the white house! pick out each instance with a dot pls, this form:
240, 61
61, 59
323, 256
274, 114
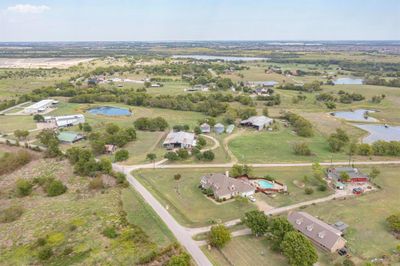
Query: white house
66, 120
258, 122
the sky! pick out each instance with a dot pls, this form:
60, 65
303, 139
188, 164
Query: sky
168, 20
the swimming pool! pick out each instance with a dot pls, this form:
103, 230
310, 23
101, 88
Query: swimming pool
264, 184
109, 111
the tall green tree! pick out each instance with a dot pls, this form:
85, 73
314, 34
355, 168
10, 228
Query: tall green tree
298, 249
257, 221
219, 236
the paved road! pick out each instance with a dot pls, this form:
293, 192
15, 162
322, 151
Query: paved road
183, 236
338, 194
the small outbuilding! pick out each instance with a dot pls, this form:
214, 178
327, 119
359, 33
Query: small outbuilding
229, 129
219, 128
69, 137
205, 128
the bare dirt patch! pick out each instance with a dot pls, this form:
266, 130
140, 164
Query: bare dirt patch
41, 62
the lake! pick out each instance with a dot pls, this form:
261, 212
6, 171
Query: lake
356, 115
380, 132
110, 111
348, 81
224, 58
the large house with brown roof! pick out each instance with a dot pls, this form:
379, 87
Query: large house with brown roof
320, 233
225, 187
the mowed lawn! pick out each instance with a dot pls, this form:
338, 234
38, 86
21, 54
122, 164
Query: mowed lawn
245, 250
173, 117
288, 176
184, 199
142, 215
367, 235
190, 207
277, 146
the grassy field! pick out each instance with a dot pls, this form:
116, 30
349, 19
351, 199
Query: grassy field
191, 208
74, 220
173, 117
367, 235
10, 123
142, 215
269, 147
245, 250
185, 200
367, 239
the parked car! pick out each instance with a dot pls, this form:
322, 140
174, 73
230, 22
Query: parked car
358, 190
342, 251
252, 199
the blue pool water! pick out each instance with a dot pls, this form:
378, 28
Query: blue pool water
110, 111
265, 184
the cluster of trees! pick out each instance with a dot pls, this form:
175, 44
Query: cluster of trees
337, 141
85, 163
49, 138
7, 104
183, 154
378, 148
239, 170
308, 87
10, 162
344, 97
302, 126
270, 100
383, 82
296, 247
151, 124
112, 134
378, 98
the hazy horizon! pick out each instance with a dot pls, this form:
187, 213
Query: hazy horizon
205, 20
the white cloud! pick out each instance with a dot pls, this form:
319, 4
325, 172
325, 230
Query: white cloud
28, 9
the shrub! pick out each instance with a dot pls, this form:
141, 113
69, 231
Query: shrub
96, 183
172, 156
309, 190
183, 154
45, 253
12, 161
24, 187
394, 222
55, 188
208, 156
110, 232
121, 155
219, 236
322, 187
67, 251
301, 148
120, 177
41, 241
179, 260
10, 214
177, 177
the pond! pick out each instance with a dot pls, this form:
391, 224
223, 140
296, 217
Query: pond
348, 81
109, 111
224, 58
380, 132
356, 115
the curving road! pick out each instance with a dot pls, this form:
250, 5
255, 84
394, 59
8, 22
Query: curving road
181, 234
